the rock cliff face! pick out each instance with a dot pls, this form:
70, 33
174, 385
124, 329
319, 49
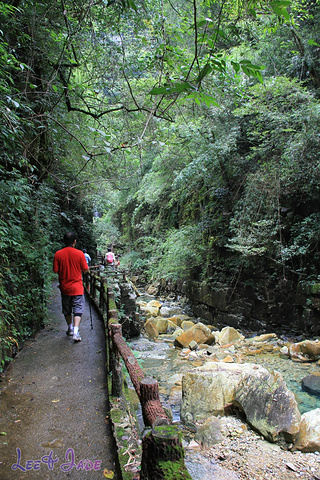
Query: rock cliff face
262, 307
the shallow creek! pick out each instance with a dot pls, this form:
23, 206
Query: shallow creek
161, 360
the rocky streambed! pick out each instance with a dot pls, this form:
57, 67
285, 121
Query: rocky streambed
223, 444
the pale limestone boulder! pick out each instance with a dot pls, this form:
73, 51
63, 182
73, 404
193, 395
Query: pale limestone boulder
150, 328
171, 327
177, 332
267, 337
176, 320
310, 348
306, 350
206, 391
150, 310
211, 340
170, 311
308, 438
198, 333
153, 290
269, 406
162, 325
229, 335
186, 324
193, 345
154, 303
141, 303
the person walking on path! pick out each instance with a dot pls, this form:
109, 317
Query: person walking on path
69, 263
110, 259
88, 258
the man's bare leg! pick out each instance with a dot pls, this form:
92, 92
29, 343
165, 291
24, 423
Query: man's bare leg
76, 324
69, 323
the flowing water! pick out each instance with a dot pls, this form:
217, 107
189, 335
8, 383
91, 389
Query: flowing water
161, 360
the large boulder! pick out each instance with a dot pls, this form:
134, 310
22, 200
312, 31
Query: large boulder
308, 350
150, 328
162, 325
308, 438
270, 407
228, 335
151, 309
198, 333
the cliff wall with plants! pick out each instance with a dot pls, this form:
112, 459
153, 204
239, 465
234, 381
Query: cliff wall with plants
186, 134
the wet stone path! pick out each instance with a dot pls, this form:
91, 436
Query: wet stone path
53, 405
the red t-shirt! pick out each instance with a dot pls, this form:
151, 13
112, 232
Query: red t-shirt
69, 263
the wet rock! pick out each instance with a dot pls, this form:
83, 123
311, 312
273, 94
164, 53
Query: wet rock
229, 335
172, 327
176, 320
311, 383
153, 290
151, 309
162, 324
206, 391
284, 351
178, 331
308, 439
193, 345
209, 433
150, 328
198, 333
170, 311
263, 338
270, 407
228, 359
186, 324
306, 350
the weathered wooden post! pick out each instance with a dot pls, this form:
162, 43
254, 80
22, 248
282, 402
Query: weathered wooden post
101, 291
116, 367
152, 410
163, 455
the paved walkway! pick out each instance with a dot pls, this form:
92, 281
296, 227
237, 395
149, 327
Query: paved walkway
53, 405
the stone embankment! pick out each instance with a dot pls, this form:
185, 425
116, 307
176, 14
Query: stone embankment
255, 304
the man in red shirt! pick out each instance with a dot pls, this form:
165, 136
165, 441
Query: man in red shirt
69, 263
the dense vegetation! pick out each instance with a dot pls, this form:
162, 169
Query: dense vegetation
185, 133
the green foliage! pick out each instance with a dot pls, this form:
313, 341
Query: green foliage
180, 254
91, 121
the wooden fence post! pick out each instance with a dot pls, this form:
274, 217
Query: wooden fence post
152, 411
116, 366
163, 455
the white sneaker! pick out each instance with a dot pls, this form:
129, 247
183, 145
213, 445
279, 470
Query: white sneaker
76, 337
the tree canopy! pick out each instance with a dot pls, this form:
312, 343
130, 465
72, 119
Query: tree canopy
185, 132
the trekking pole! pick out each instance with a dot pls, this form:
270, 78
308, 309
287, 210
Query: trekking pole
89, 290
90, 313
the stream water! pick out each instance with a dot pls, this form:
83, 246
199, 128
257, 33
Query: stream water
161, 360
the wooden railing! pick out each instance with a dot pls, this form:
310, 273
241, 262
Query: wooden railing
163, 443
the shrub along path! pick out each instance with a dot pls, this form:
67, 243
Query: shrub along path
53, 406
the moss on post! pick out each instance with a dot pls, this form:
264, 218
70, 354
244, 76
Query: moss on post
163, 455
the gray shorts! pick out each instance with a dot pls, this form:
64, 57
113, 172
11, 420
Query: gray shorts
72, 303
